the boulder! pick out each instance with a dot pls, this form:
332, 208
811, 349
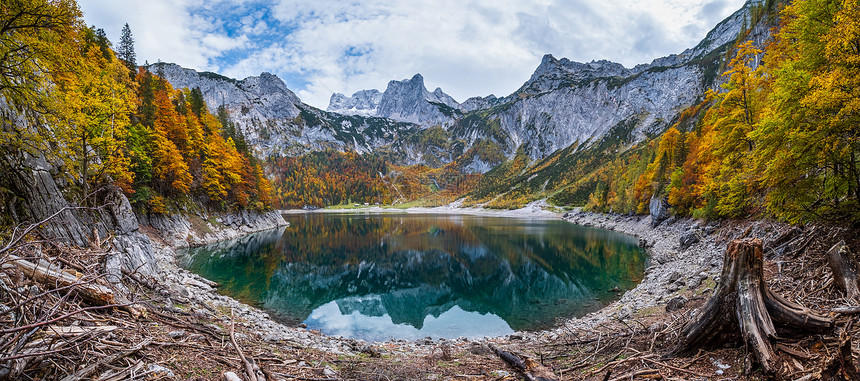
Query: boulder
688, 238
659, 210
676, 303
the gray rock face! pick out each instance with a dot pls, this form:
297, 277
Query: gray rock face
553, 73
263, 107
659, 209
409, 101
272, 118
479, 103
567, 103
39, 195
275, 121
195, 230
563, 104
724, 32
404, 101
364, 102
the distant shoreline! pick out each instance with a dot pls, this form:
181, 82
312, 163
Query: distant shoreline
537, 209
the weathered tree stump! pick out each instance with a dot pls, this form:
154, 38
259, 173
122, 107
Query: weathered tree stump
844, 269
743, 310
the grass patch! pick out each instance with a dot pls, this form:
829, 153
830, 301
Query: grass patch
199, 226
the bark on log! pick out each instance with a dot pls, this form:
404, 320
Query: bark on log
52, 276
844, 269
531, 369
744, 310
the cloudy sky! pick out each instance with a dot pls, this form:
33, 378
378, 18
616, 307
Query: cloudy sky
466, 47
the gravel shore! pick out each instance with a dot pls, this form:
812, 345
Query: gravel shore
671, 271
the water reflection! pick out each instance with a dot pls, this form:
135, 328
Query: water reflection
406, 276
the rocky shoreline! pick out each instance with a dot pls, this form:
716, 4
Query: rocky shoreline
180, 286
671, 272
198, 229
674, 271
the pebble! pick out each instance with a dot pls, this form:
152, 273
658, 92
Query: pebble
160, 371
673, 277
625, 313
329, 372
176, 334
676, 303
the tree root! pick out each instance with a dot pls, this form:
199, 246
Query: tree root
745, 311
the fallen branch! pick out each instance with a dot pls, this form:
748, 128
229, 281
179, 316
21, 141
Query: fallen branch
56, 319
532, 370
52, 276
303, 378
841, 365
249, 368
847, 310
89, 370
676, 368
635, 374
616, 362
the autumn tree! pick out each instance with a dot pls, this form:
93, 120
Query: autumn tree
809, 141
93, 102
730, 179
34, 36
181, 151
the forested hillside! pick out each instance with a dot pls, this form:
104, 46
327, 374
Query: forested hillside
69, 96
779, 138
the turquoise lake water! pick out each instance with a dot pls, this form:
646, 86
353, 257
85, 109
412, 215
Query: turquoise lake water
408, 276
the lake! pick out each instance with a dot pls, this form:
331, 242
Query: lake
407, 276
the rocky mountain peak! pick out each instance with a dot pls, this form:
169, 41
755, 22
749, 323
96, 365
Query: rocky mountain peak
553, 73
405, 101
479, 103
364, 102
268, 84
563, 103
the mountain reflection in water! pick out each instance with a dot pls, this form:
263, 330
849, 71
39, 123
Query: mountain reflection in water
381, 276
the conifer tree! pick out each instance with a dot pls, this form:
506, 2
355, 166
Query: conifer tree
126, 49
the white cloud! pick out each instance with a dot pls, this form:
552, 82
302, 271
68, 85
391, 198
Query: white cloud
467, 47
164, 30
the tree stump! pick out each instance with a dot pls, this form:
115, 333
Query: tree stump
844, 269
743, 310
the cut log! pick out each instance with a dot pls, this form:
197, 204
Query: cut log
52, 276
531, 369
91, 292
844, 269
745, 311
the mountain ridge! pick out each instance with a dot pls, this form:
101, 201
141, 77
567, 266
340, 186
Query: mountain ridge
563, 104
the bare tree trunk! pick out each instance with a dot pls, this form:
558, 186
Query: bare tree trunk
744, 310
844, 269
